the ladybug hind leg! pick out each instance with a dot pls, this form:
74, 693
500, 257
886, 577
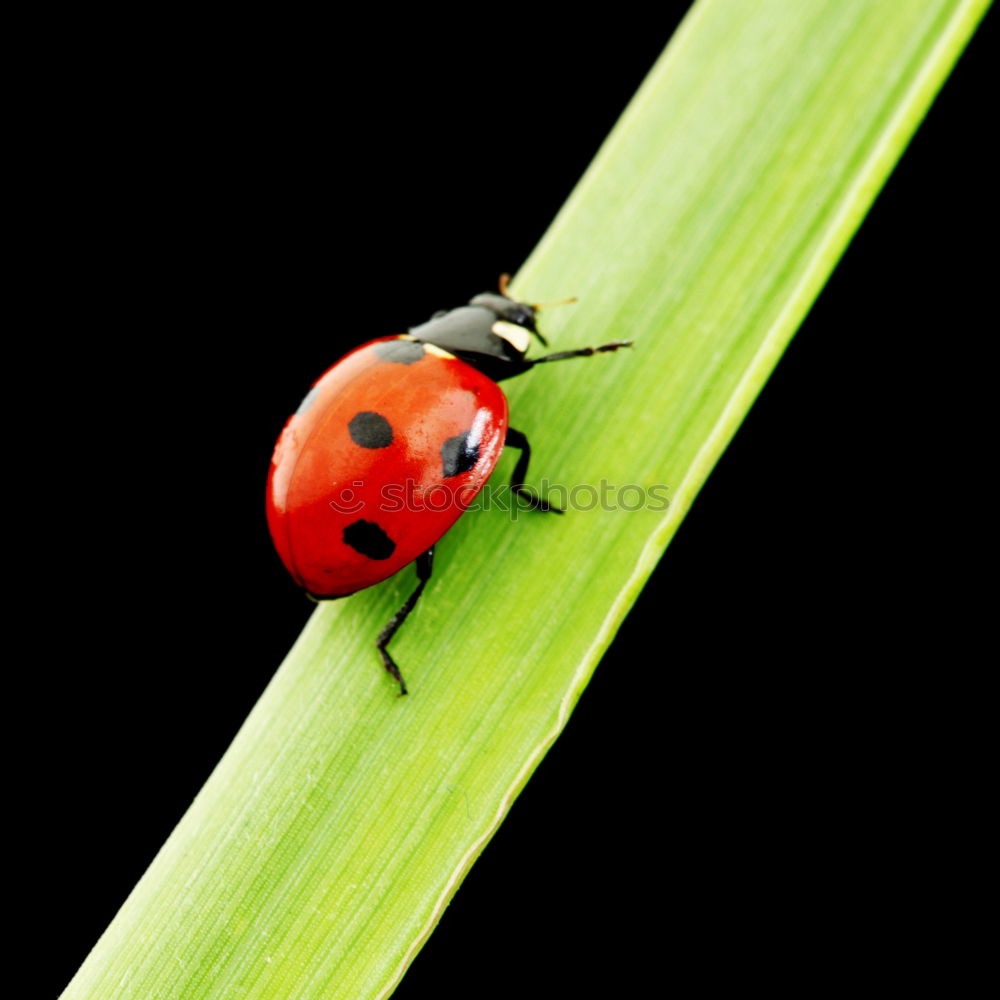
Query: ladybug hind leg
515, 439
425, 564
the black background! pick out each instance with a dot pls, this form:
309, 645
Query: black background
229, 210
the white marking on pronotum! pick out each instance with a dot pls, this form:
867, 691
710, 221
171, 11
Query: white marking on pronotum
515, 335
438, 352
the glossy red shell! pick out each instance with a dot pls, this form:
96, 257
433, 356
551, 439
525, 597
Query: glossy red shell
322, 483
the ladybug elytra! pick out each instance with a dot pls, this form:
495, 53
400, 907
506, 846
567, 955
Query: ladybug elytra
394, 442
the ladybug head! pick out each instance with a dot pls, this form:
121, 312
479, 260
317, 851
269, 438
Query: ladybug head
508, 310
492, 333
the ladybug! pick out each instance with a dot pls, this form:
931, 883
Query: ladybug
394, 442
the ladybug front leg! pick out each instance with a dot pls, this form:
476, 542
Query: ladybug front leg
425, 564
515, 439
580, 352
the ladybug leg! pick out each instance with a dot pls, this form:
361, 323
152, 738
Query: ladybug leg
425, 563
581, 352
515, 439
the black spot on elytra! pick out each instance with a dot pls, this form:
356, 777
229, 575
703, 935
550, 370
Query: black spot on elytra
369, 539
370, 430
459, 454
403, 351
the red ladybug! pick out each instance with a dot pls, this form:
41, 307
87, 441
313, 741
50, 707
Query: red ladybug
393, 443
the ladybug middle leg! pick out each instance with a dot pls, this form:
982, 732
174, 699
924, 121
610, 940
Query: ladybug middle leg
515, 439
425, 564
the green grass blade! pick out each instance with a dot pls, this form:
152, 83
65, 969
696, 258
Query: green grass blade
324, 847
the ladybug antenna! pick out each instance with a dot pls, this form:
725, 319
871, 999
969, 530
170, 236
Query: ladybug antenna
505, 284
561, 302
534, 307
544, 305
